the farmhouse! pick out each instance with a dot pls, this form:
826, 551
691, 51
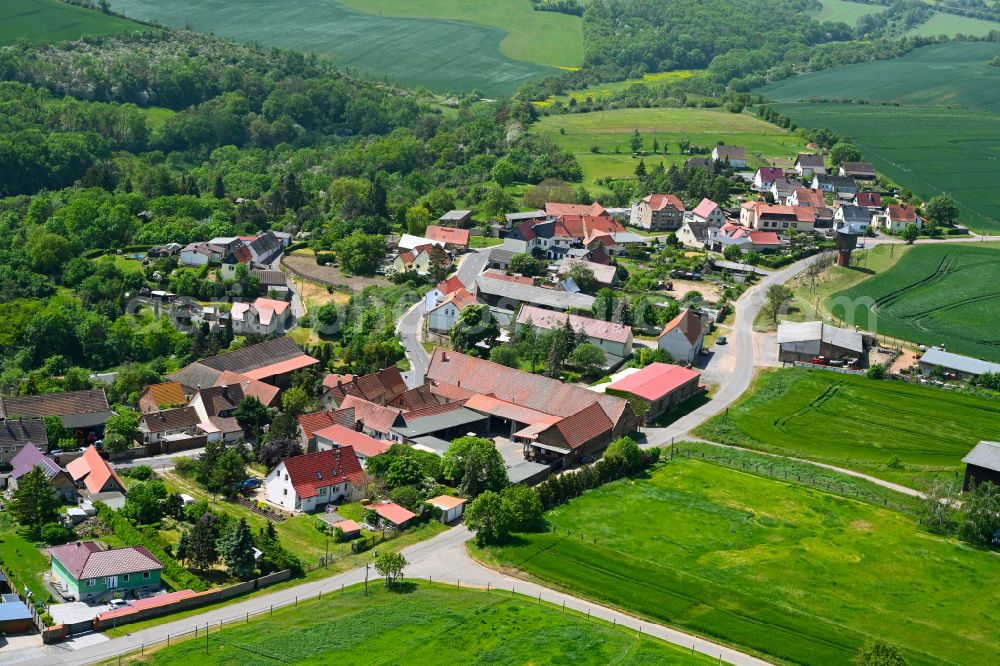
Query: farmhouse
734, 155
161, 396
658, 212
30, 457
807, 165
839, 185
338, 436
307, 482
683, 336
86, 572
453, 239
443, 316
93, 475
452, 508
380, 387
157, 426
982, 464
456, 218
805, 341
765, 177
858, 170
82, 412
18, 433
265, 316
509, 295
614, 339
962, 367
271, 362
662, 386
897, 217
214, 407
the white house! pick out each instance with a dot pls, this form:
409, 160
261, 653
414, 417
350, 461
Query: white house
807, 165
195, 254
307, 482
764, 177
736, 156
452, 508
444, 315
434, 296
264, 316
683, 336
897, 217
157, 426
710, 212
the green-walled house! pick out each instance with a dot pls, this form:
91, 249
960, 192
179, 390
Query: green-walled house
87, 572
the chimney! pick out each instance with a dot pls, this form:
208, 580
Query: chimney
444, 357
225, 391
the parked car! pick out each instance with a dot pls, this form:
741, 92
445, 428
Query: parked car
115, 604
721, 340
248, 484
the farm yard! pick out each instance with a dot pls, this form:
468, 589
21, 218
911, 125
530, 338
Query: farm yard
935, 294
900, 432
441, 55
418, 624
52, 20
794, 573
543, 38
610, 131
931, 150
844, 11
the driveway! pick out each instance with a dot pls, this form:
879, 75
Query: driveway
408, 328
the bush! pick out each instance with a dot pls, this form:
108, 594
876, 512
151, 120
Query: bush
187, 467
55, 534
47, 620
139, 472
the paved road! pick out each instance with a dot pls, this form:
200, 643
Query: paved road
161, 462
442, 559
470, 266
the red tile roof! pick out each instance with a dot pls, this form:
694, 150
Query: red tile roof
348, 526
449, 235
282, 367
94, 470
314, 421
376, 417
450, 285
806, 196
769, 174
85, 560
392, 512
901, 213
869, 199
500, 275
594, 328
578, 429
580, 226
559, 209
312, 471
655, 380
705, 208
658, 202
165, 394
266, 393
688, 323
490, 404
359, 441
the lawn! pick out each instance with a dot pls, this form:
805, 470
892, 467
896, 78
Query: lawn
53, 21
858, 423
797, 574
845, 12
952, 24
600, 91
23, 561
419, 625
942, 74
611, 131
931, 150
441, 55
936, 294
543, 38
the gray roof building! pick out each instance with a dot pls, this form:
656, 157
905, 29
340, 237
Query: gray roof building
510, 294
965, 365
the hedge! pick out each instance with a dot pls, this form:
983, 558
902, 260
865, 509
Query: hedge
179, 577
296, 246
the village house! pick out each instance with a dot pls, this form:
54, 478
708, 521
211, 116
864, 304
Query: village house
338, 436
783, 188
15, 434
274, 283
453, 238
268, 395
30, 457
852, 217
805, 196
93, 475
841, 186
764, 177
373, 419
982, 464
804, 341
312, 480
748, 240
444, 315
858, 170
870, 200
436, 295
897, 217
84, 571
157, 426
696, 234
411, 242
380, 387
734, 155
708, 212
215, 406
83, 413
555, 209
240, 256
683, 336
457, 218
164, 395
658, 212
264, 316
313, 422
772, 217
807, 165
614, 339
662, 386
271, 362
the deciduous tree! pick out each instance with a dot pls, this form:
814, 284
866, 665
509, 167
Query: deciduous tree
34, 503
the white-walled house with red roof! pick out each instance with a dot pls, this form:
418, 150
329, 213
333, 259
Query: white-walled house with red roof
683, 336
308, 482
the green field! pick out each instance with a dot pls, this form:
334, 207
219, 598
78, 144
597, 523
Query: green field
425, 624
544, 38
441, 55
951, 25
845, 12
931, 150
800, 575
53, 21
858, 423
938, 75
611, 131
935, 295
22, 560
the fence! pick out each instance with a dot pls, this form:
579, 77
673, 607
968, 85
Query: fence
313, 278
831, 368
266, 513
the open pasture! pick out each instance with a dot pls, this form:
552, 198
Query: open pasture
900, 432
54, 21
845, 12
797, 574
935, 295
443, 56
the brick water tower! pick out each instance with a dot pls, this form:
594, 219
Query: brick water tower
847, 239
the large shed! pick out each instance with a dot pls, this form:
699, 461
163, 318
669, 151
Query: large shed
804, 341
982, 464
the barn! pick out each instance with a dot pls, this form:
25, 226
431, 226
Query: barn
804, 341
982, 464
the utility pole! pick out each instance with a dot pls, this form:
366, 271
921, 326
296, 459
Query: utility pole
366, 577
326, 555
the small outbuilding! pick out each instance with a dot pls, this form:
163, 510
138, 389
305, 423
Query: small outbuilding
662, 386
393, 514
451, 507
982, 464
15, 616
962, 367
804, 341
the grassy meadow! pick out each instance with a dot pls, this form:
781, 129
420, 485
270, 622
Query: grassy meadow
931, 150
794, 573
611, 131
419, 624
905, 433
935, 294
543, 38
844, 11
951, 25
54, 21
441, 55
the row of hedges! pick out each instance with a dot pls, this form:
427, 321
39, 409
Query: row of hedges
179, 577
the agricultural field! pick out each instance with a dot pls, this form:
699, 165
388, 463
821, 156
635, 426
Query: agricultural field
418, 624
935, 295
794, 573
441, 55
54, 21
939, 75
951, 25
905, 433
543, 38
605, 90
931, 150
845, 12
610, 132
